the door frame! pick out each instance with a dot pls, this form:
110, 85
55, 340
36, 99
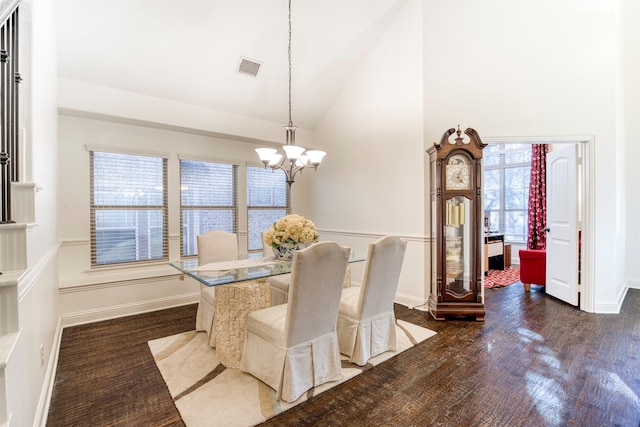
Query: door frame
586, 152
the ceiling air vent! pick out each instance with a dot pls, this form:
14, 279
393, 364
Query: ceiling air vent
249, 67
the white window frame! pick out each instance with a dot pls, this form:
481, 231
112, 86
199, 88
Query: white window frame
96, 207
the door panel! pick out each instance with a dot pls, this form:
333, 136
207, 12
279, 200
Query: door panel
562, 222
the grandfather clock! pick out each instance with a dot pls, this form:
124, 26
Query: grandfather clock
456, 226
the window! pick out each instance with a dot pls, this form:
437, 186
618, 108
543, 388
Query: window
208, 194
268, 198
128, 208
507, 169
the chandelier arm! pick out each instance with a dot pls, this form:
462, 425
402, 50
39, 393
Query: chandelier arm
289, 173
280, 164
293, 170
276, 167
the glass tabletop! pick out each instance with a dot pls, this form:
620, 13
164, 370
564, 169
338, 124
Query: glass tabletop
244, 268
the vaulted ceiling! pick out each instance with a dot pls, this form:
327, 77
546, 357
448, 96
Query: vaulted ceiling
189, 51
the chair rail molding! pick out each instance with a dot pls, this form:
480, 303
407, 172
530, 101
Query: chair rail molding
376, 235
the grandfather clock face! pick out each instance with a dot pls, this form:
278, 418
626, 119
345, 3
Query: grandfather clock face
458, 173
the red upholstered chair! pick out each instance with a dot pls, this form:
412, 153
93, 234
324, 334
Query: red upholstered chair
533, 267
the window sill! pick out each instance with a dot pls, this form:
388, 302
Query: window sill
114, 274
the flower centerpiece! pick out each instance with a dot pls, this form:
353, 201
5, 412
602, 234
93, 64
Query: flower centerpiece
290, 233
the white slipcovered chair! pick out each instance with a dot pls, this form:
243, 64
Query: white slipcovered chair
293, 347
213, 246
279, 286
366, 322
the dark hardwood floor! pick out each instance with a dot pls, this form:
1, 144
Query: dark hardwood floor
535, 361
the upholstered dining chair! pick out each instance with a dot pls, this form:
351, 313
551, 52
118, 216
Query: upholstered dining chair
293, 347
279, 285
366, 322
279, 288
213, 246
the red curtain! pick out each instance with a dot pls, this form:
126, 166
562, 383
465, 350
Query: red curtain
537, 238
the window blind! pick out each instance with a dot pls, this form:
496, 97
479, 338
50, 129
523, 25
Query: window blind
208, 194
129, 207
268, 198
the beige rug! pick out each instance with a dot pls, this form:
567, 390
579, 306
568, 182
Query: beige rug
208, 394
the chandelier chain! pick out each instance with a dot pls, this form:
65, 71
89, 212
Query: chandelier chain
289, 54
295, 159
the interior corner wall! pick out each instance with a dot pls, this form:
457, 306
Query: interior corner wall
372, 181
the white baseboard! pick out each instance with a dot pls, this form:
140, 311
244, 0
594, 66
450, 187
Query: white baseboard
411, 302
138, 307
632, 284
612, 307
42, 411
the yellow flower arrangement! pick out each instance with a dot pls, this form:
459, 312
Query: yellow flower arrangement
291, 229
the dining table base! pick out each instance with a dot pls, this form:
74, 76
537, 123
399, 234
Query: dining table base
233, 303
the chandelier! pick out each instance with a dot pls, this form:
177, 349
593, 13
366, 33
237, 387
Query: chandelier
294, 158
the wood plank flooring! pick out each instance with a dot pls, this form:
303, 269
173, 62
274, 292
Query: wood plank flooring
535, 361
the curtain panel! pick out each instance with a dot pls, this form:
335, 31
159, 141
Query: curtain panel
537, 238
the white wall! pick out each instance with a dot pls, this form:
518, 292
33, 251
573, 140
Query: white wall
630, 36
373, 180
114, 104
27, 378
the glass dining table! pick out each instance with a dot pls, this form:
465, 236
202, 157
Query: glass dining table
244, 268
240, 286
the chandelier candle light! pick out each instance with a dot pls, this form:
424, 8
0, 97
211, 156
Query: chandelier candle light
296, 155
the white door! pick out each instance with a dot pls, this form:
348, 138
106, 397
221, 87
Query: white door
562, 224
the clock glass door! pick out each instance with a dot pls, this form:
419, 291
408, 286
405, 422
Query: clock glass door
458, 244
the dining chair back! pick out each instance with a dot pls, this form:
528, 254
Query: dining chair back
293, 347
366, 321
213, 246
217, 245
278, 285
315, 290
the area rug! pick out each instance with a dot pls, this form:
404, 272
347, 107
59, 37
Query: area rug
500, 278
208, 394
